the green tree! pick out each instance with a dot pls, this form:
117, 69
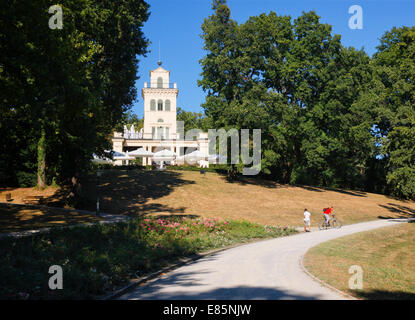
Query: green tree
129, 118
192, 120
298, 84
391, 99
67, 88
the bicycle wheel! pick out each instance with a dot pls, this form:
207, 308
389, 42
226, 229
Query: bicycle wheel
322, 225
336, 224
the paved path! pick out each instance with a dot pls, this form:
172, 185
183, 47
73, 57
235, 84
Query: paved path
268, 269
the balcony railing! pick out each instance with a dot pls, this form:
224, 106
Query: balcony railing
165, 85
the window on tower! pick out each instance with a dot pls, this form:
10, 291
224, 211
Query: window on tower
159, 82
160, 105
153, 105
167, 105
160, 133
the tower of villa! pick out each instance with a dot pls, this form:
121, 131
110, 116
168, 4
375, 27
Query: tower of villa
160, 101
160, 130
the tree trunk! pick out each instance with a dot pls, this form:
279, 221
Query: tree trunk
41, 161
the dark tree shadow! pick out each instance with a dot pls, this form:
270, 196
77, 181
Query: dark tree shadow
401, 211
59, 198
188, 279
385, 295
241, 292
355, 193
246, 180
122, 191
127, 192
235, 293
189, 216
19, 218
261, 181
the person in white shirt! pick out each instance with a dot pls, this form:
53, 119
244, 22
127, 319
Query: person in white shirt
307, 221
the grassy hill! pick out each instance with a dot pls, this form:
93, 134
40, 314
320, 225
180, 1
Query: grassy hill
139, 192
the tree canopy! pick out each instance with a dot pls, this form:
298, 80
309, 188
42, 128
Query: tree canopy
64, 90
322, 107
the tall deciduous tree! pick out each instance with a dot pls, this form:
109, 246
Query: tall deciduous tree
298, 84
68, 87
391, 98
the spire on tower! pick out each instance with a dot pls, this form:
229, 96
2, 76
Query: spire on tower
159, 62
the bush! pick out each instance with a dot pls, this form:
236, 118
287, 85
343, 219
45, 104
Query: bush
26, 179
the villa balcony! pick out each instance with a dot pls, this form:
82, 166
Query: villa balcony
155, 85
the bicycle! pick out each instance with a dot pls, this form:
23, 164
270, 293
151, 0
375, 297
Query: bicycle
332, 223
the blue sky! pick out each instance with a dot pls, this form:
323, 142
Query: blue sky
176, 25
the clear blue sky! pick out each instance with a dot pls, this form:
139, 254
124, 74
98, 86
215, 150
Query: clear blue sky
176, 25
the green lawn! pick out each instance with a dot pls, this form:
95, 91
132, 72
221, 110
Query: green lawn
98, 259
386, 255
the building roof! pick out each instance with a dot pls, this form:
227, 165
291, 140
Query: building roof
160, 69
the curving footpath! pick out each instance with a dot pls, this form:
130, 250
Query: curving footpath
269, 269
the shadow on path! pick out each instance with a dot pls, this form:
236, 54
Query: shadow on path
188, 285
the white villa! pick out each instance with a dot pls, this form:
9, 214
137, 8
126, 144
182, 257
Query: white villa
160, 129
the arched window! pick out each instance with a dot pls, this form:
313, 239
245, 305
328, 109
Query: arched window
167, 105
159, 82
160, 120
160, 105
159, 132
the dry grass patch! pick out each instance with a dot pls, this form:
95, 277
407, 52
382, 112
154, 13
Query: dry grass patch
140, 192
255, 200
386, 255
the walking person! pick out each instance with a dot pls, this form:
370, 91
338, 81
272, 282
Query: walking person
307, 221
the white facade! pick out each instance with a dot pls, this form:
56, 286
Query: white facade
160, 103
160, 124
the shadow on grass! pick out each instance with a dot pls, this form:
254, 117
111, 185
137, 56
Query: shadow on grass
126, 192
401, 211
385, 295
355, 193
260, 181
59, 198
178, 216
19, 218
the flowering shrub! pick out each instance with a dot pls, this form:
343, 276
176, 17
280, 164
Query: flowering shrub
182, 226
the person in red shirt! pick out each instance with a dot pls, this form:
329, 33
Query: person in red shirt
327, 213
